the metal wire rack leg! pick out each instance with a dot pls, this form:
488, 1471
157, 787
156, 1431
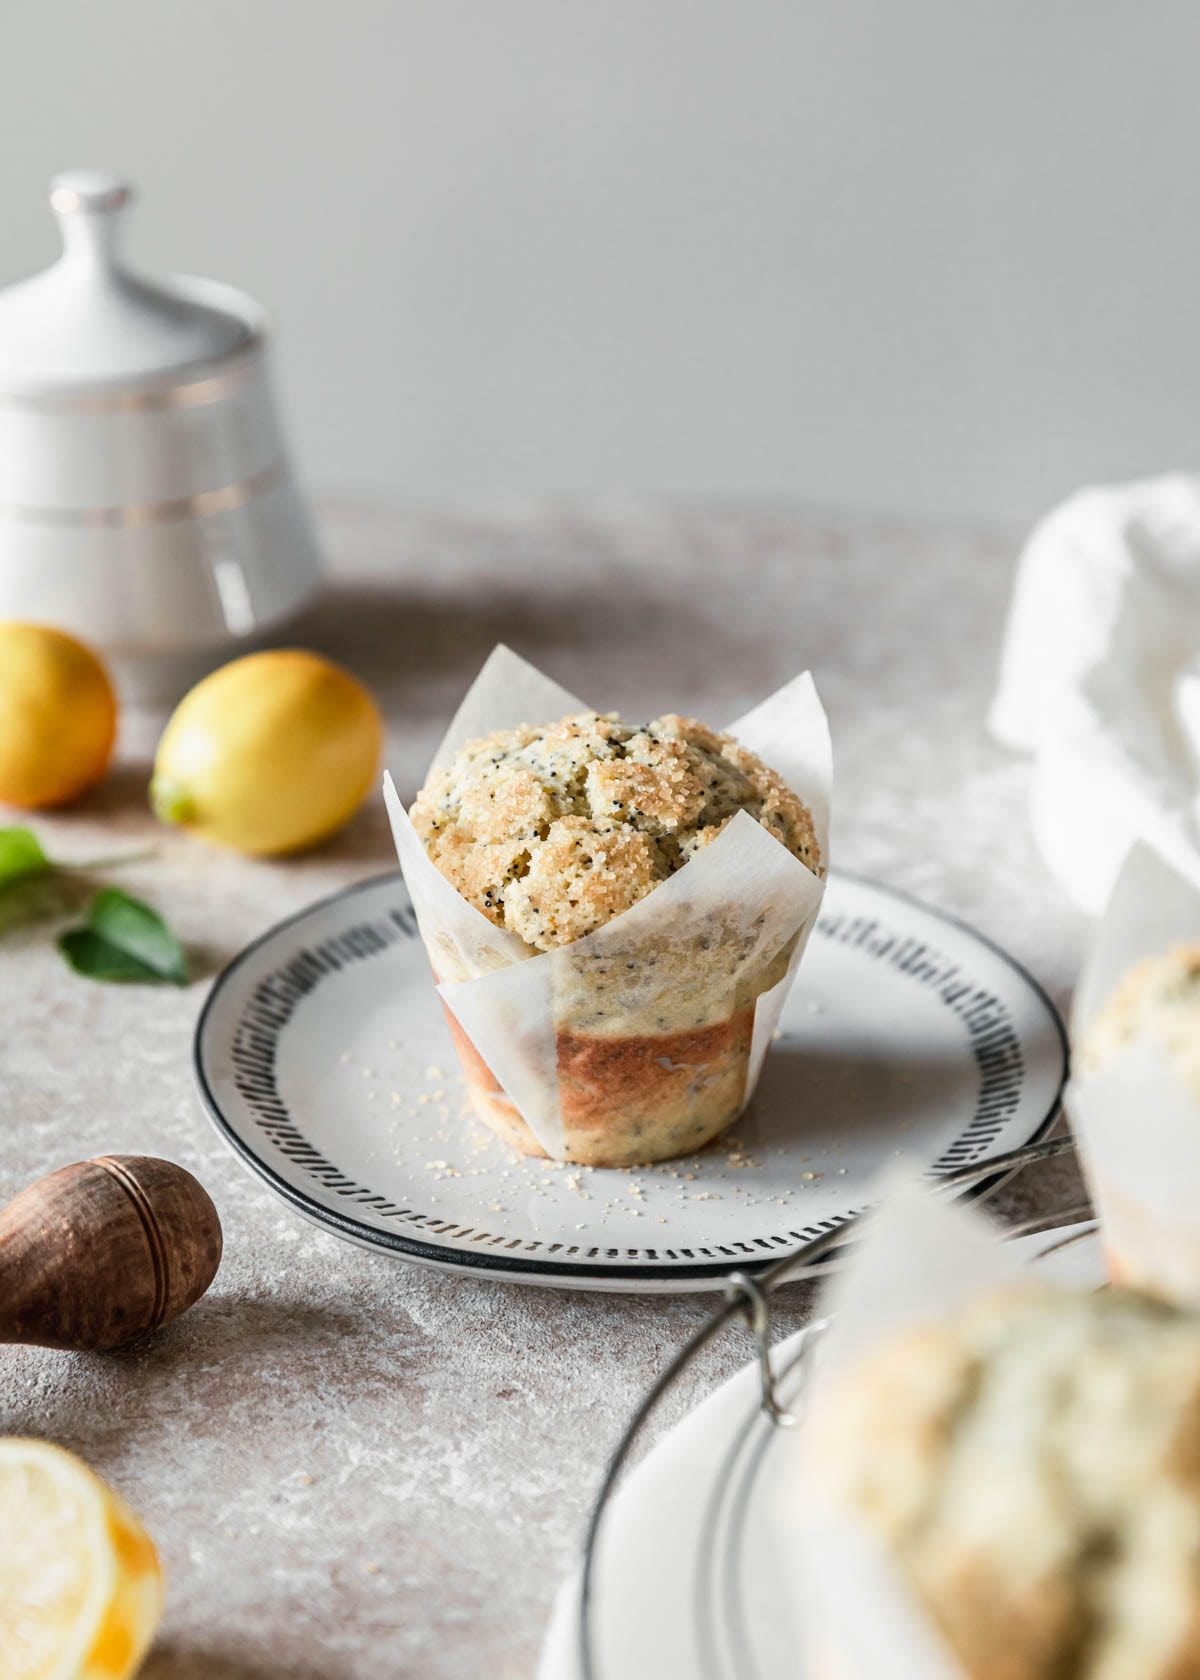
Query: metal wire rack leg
747, 1298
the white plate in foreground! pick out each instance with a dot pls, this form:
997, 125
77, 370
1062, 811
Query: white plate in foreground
323, 1057
693, 1577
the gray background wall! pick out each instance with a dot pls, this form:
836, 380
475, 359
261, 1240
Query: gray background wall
920, 254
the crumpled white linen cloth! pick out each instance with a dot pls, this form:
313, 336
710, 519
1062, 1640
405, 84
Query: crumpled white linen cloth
1100, 680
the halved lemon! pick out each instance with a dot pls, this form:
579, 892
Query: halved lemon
80, 1582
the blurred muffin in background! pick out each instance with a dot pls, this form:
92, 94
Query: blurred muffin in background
1157, 1000
1031, 1465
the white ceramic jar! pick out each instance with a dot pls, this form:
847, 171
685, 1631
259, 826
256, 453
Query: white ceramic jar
146, 502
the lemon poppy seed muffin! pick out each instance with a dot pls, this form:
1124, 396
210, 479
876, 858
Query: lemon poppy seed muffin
1146, 1191
553, 831
1157, 1000
1031, 1465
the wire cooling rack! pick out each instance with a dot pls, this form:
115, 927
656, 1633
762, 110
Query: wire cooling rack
748, 1299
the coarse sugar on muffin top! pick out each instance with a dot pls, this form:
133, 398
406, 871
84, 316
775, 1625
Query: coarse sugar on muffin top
552, 831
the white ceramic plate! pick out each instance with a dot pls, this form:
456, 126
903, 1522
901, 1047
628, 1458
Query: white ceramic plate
693, 1578
323, 1057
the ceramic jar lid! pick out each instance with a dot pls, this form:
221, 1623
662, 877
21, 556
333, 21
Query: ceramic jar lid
88, 321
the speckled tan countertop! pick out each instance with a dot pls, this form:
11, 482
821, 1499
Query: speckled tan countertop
354, 1468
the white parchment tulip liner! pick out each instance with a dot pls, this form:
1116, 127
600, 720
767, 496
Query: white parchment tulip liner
1136, 1121
505, 999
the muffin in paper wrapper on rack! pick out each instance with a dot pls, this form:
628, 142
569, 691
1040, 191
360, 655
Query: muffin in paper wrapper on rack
854, 1613
645, 1038
1134, 1097
995, 1476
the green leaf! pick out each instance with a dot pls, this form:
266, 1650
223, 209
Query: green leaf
88, 954
21, 855
123, 939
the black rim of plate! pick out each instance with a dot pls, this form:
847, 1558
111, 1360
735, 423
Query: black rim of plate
499, 1265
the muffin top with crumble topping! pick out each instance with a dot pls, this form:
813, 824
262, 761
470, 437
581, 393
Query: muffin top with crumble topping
553, 830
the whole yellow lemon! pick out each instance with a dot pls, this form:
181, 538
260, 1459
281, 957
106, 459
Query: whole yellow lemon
58, 716
269, 754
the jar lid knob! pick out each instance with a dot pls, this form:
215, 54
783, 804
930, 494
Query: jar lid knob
91, 319
87, 203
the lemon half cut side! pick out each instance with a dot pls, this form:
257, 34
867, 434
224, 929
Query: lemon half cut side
80, 1582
